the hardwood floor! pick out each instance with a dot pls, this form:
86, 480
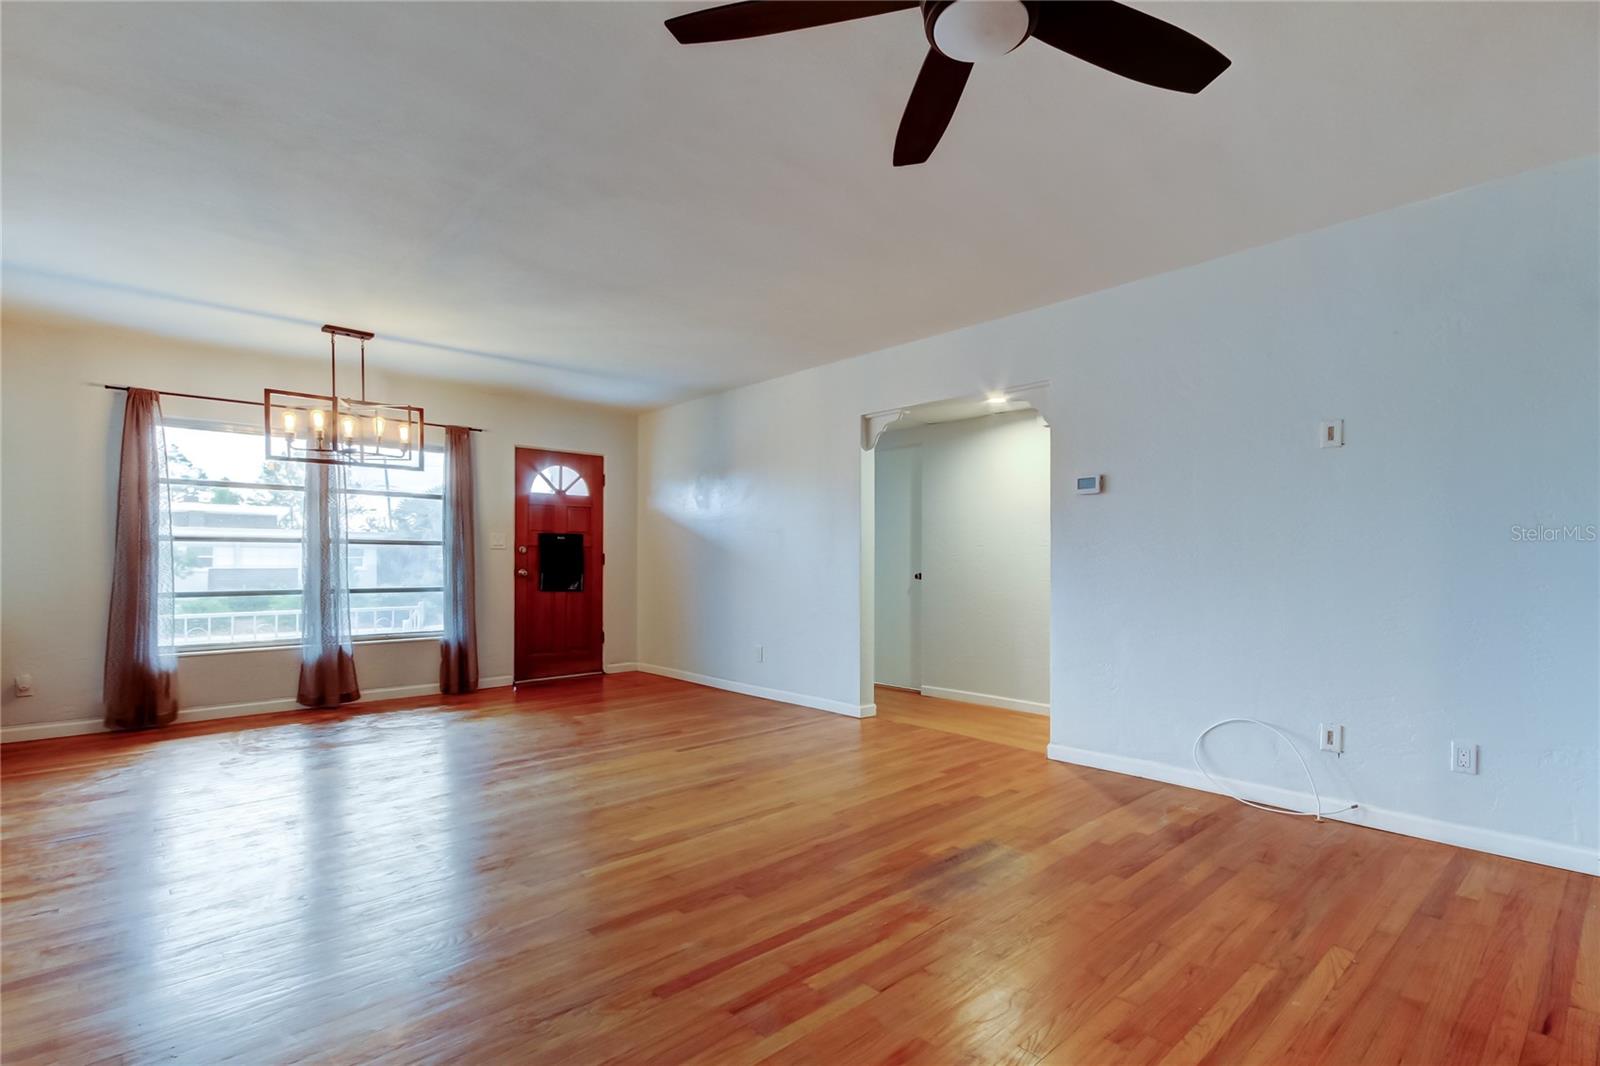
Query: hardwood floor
636, 870
1030, 732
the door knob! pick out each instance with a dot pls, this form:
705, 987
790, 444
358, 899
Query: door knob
917, 576
522, 573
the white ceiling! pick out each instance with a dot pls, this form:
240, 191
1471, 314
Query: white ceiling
558, 196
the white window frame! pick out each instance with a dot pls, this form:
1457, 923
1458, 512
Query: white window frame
200, 535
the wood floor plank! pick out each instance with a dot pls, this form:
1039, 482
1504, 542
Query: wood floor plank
1017, 729
630, 869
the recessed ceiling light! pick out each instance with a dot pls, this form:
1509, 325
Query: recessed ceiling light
998, 398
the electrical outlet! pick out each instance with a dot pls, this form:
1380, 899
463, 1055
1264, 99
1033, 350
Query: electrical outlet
23, 684
761, 653
1331, 738
1463, 757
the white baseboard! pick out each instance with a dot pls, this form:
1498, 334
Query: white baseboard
620, 668
12, 734
849, 710
15, 734
1005, 702
1493, 841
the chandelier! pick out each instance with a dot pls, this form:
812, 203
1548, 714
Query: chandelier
305, 427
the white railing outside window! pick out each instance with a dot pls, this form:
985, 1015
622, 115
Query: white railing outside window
283, 627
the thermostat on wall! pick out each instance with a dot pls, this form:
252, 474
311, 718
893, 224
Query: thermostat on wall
1089, 486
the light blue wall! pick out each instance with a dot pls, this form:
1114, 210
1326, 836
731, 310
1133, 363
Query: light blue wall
1232, 567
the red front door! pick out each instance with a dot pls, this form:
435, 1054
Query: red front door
558, 563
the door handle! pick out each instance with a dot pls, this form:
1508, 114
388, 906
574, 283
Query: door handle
522, 573
917, 576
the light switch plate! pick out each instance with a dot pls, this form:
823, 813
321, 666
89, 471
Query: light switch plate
497, 541
1331, 434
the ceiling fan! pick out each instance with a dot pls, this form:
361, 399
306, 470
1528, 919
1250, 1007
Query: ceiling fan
962, 32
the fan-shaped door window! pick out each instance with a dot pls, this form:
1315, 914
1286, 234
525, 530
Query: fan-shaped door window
558, 480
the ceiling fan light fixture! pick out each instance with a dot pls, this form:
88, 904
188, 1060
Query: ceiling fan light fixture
960, 33
974, 30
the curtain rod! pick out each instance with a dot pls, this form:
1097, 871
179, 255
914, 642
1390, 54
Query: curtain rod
253, 403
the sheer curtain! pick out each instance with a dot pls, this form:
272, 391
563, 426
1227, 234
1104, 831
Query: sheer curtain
327, 658
458, 651
141, 682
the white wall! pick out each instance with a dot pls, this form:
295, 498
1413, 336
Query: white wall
1232, 567
57, 510
976, 501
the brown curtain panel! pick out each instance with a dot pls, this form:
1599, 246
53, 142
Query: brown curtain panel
327, 657
458, 651
141, 682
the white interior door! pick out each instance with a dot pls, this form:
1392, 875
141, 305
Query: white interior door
898, 538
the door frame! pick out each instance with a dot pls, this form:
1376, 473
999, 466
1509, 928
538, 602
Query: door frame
873, 425
598, 494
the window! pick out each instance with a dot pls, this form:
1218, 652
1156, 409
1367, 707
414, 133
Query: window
560, 562
558, 480
237, 521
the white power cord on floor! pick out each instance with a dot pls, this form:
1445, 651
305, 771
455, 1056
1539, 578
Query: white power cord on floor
1315, 795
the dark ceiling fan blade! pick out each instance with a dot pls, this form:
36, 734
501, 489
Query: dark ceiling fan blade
933, 101
1130, 43
758, 18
